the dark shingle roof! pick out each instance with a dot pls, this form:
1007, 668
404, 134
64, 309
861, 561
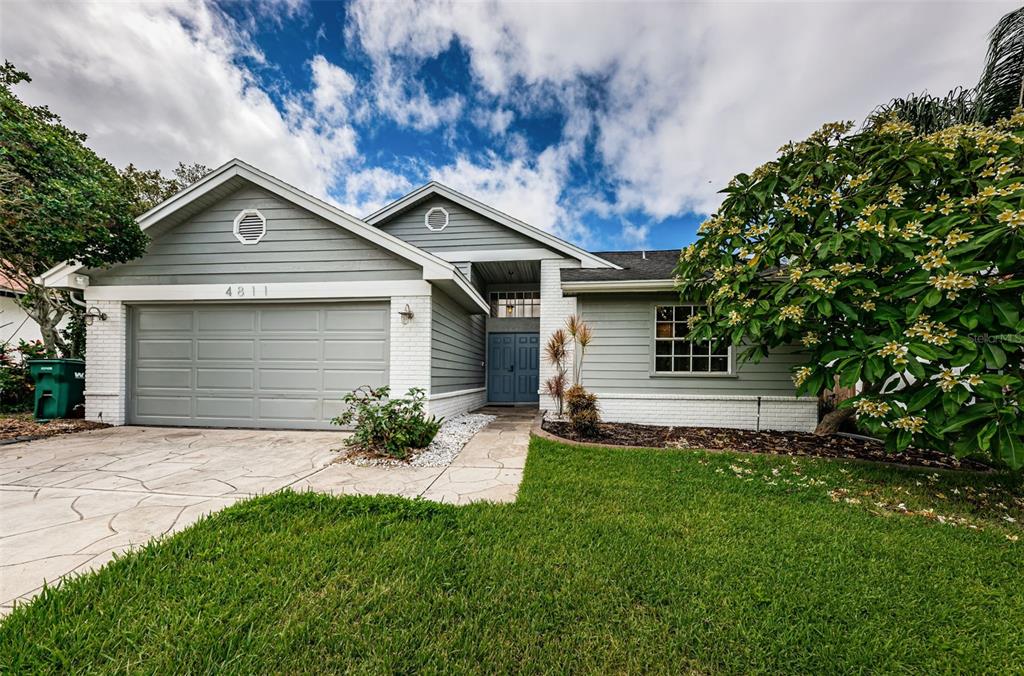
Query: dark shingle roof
635, 265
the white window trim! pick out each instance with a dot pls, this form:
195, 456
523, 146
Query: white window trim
731, 373
426, 218
238, 219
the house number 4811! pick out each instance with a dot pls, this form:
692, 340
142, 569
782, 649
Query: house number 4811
251, 291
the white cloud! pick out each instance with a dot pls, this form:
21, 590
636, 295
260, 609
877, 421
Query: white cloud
366, 191
662, 103
156, 83
495, 121
693, 93
333, 88
385, 32
528, 190
633, 236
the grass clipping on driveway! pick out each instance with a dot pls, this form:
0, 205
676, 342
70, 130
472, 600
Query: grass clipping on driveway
610, 560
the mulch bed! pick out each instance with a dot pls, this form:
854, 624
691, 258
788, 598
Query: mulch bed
22, 427
773, 443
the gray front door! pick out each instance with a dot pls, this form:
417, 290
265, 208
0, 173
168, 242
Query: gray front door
241, 365
513, 368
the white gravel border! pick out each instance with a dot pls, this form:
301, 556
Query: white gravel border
453, 435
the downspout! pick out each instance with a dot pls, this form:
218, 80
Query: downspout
757, 424
74, 299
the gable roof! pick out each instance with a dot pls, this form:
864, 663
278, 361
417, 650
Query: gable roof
434, 188
232, 174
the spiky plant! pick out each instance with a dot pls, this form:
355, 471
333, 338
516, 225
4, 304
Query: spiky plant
582, 335
555, 387
555, 351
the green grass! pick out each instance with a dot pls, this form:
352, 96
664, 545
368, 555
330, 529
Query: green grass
610, 561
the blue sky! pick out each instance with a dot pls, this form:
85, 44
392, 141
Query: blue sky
610, 124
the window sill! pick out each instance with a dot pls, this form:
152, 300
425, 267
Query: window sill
660, 374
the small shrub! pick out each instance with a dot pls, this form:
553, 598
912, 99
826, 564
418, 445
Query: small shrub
584, 414
391, 427
17, 390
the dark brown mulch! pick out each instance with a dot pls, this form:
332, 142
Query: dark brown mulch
21, 426
774, 443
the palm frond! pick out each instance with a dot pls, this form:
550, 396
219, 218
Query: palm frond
927, 112
1001, 88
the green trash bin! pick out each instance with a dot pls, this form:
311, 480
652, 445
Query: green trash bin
60, 387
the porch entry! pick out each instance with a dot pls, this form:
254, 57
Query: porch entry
513, 368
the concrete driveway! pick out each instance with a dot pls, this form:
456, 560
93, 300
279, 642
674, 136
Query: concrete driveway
69, 503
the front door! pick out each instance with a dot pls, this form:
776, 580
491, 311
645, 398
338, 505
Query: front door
513, 368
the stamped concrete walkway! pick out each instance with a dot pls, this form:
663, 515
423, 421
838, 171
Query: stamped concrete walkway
69, 503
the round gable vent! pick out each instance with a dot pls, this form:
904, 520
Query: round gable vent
250, 226
436, 219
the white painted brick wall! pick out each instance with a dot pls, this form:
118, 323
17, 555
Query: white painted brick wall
777, 413
409, 361
451, 406
554, 309
107, 364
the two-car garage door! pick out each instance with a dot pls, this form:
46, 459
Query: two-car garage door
272, 366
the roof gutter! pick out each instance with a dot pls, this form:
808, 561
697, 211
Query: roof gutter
618, 286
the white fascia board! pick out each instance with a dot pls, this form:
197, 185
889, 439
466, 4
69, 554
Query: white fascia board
259, 292
623, 286
66, 279
496, 255
285, 191
587, 259
468, 289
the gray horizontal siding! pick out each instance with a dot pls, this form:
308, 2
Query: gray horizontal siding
298, 247
467, 230
456, 347
619, 358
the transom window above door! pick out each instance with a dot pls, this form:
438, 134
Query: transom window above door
515, 303
674, 354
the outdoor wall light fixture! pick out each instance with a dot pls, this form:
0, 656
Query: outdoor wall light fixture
93, 314
406, 314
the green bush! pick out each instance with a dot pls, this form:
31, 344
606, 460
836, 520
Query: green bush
584, 414
17, 390
896, 260
391, 427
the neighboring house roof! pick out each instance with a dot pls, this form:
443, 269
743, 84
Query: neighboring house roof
650, 270
12, 286
225, 178
434, 188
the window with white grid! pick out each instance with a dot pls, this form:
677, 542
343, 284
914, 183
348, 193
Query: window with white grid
674, 354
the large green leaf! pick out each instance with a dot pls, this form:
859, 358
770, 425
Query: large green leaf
1010, 448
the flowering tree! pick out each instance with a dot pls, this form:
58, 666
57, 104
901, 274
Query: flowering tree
895, 260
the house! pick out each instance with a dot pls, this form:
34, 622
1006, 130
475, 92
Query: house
15, 324
258, 305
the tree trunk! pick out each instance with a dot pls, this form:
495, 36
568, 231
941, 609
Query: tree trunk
833, 420
45, 308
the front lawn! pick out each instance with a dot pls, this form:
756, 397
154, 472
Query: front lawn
610, 561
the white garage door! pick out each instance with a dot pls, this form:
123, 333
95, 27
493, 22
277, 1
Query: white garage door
269, 366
